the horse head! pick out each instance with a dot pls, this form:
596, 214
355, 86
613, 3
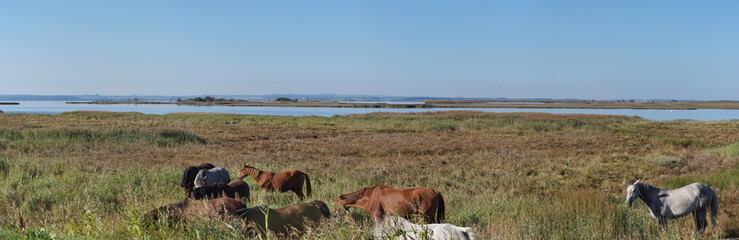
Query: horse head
246, 170
632, 192
359, 197
188, 177
351, 198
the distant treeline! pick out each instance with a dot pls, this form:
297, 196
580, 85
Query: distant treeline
208, 99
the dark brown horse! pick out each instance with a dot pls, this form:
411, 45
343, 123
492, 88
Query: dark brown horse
283, 220
186, 210
237, 188
380, 201
290, 180
188, 177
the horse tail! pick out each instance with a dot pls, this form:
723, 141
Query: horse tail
323, 207
307, 184
440, 211
714, 208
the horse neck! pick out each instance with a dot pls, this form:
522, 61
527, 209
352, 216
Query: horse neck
255, 174
645, 189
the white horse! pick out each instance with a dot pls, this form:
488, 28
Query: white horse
212, 176
664, 204
393, 227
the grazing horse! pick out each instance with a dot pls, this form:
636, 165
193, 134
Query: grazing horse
664, 204
382, 200
290, 180
237, 188
187, 210
283, 220
389, 227
188, 177
211, 176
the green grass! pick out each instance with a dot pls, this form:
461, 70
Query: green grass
728, 151
91, 175
722, 180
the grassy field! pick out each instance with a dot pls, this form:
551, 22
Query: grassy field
91, 175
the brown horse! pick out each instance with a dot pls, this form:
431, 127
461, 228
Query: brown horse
380, 201
237, 188
282, 221
187, 210
290, 180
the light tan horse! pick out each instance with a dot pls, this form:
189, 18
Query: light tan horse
290, 180
187, 210
283, 221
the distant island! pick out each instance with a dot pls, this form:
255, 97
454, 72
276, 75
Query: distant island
444, 103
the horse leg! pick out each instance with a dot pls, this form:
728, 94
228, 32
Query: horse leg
428, 217
299, 192
378, 215
662, 221
428, 214
697, 219
702, 218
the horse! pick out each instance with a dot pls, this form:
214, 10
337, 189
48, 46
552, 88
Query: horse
389, 227
237, 188
382, 200
664, 204
186, 210
290, 180
188, 177
211, 176
282, 221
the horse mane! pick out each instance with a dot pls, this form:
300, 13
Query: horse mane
205, 166
645, 188
253, 169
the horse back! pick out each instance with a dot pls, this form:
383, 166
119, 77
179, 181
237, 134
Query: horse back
400, 201
286, 180
212, 176
313, 211
205, 166
236, 183
225, 204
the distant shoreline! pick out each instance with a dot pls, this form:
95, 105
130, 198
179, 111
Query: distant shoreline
10, 103
576, 104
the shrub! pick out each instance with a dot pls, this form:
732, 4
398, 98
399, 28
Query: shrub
682, 142
668, 161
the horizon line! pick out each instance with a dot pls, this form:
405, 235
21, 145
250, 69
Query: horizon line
338, 95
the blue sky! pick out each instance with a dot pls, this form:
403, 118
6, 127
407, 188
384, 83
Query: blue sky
515, 49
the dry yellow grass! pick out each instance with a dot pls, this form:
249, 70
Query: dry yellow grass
508, 175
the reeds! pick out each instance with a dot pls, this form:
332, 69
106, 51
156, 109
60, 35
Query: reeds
508, 175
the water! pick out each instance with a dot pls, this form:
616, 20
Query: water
388, 102
54, 107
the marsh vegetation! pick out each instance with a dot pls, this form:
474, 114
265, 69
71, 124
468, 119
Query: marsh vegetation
507, 175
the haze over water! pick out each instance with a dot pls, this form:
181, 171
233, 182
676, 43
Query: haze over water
55, 107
